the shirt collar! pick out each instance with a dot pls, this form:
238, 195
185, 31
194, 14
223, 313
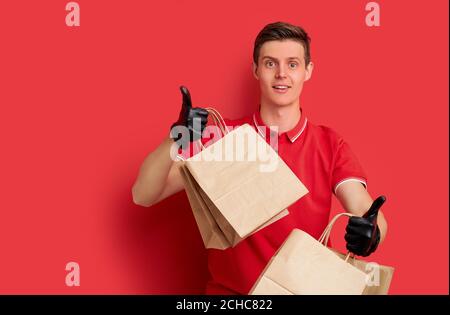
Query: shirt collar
292, 134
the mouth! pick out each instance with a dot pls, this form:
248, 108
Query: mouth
281, 88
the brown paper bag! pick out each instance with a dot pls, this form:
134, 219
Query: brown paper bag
212, 235
304, 265
231, 197
378, 277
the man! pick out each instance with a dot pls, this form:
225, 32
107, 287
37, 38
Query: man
320, 158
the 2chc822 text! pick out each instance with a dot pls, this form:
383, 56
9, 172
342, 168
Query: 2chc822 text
229, 304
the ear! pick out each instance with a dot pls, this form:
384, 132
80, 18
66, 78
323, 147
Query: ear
309, 70
255, 71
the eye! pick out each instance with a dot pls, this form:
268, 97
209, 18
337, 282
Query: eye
293, 65
269, 63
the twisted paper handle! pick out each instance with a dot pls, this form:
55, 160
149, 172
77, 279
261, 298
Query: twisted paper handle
218, 121
326, 233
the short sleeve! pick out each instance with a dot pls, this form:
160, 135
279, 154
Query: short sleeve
346, 167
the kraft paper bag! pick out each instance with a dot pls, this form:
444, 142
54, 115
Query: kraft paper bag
211, 232
378, 277
212, 235
234, 192
305, 266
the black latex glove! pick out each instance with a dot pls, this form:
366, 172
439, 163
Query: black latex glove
363, 234
194, 119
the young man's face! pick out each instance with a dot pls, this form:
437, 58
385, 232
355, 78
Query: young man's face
281, 71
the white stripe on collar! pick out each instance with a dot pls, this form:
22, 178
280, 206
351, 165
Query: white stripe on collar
293, 139
301, 131
257, 127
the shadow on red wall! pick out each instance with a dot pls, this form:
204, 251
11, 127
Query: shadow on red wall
160, 247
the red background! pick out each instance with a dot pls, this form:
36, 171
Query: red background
82, 107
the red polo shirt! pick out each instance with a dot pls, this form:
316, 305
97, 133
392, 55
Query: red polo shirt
322, 160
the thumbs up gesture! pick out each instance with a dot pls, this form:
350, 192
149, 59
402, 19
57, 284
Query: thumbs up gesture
191, 121
362, 233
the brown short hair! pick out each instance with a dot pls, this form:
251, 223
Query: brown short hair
282, 31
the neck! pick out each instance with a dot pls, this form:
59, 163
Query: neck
285, 117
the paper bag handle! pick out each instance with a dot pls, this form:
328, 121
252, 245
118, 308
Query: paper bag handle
326, 233
218, 121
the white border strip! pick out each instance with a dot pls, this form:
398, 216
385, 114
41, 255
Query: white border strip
301, 131
349, 179
257, 126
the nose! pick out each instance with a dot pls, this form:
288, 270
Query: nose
281, 73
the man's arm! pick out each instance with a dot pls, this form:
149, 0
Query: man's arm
356, 200
159, 176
